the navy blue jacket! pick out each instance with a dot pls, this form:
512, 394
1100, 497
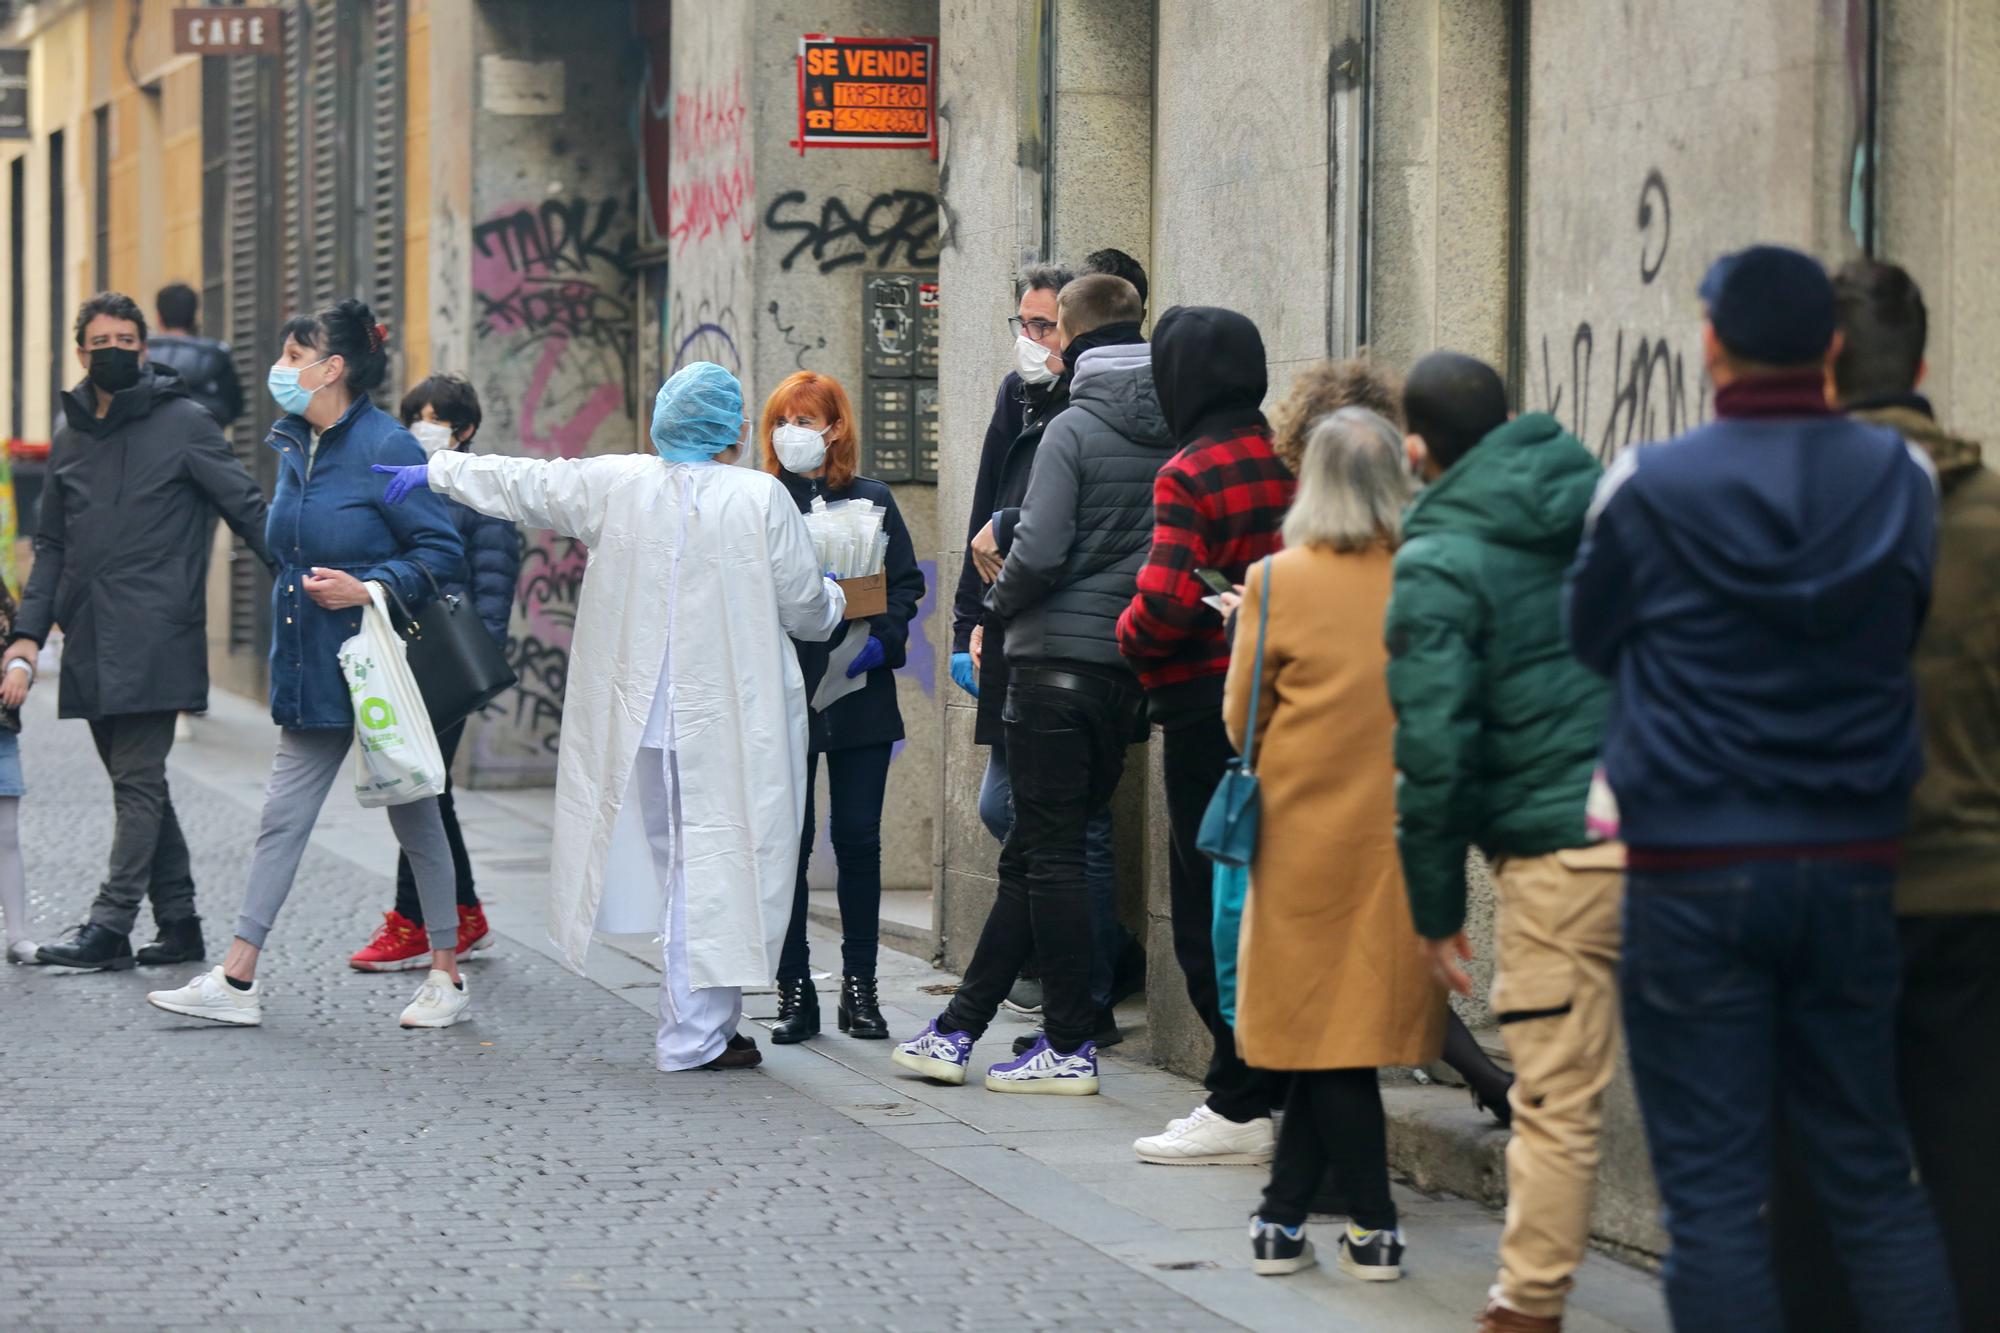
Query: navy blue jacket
968, 605
336, 519
1754, 590
870, 715
493, 565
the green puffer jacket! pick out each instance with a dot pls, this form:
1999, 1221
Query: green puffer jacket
1497, 726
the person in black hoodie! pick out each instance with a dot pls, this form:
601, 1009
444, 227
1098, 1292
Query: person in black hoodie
1753, 590
138, 472
1072, 704
810, 445
1219, 503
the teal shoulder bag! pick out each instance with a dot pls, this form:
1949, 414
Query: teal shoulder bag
1228, 834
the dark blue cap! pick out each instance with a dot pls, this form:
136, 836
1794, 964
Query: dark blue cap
1770, 304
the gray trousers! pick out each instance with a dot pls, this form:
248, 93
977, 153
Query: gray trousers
302, 772
149, 857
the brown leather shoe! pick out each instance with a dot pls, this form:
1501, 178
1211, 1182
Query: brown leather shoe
741, 1053
1499, 1319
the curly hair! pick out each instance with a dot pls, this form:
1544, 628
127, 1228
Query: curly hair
1326, 387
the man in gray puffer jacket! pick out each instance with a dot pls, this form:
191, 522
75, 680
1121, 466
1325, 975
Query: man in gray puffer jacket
1073, 705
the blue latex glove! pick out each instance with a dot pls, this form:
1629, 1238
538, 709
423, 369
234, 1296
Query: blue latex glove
403, 480
963, 675
870, 657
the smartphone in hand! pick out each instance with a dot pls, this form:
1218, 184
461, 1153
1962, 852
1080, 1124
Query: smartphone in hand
1218, 583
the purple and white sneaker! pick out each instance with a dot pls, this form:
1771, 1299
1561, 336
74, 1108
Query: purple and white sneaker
939, 1056
1042, 1069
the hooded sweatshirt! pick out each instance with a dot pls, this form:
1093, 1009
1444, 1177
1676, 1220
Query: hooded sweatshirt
1954, 838
1087, 518
1218, 504
1754, 590
1498, 725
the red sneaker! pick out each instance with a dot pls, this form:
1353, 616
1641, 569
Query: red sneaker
473, 932
399, 946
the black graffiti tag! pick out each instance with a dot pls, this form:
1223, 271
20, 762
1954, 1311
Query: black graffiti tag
561, 236
1650, 257
904, 221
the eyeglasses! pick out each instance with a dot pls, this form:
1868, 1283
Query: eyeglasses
1037, 329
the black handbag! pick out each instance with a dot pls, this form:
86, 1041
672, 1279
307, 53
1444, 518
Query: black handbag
457, 665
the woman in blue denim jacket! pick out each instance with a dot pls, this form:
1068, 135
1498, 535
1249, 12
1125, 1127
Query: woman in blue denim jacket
332, 535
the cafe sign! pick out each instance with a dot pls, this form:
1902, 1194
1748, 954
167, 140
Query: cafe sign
867, 92
217, 30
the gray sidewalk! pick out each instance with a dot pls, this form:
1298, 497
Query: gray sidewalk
529, 1169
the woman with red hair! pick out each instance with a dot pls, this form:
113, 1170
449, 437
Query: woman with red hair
809, 438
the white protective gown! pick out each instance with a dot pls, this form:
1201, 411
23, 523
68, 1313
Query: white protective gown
697, 574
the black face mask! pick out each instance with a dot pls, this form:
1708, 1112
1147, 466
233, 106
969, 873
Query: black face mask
114, 369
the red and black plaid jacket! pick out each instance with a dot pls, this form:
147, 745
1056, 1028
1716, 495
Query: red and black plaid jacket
1218, 504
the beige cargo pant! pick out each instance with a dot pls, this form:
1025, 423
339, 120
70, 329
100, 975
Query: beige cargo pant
1555, 993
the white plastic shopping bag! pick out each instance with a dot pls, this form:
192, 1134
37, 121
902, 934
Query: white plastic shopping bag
397, 759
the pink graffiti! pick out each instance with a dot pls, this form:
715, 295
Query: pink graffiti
571, 438
711, 182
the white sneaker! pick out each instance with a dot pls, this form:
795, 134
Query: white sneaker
439, 1003
1207, 1139
209, 996
22, 951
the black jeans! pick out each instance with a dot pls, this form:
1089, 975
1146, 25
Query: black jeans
855, 781
1065, 755
1333, 1119
1948, 1069
1194, 757
149, 856
406, 882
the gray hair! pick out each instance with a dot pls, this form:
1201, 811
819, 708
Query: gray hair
1353, 483
1044, 278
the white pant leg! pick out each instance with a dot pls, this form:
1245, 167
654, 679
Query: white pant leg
695, 1025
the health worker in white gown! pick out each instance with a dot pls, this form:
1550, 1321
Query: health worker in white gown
680, 784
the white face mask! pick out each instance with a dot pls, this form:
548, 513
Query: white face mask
1032, 360
432, 435
800, 449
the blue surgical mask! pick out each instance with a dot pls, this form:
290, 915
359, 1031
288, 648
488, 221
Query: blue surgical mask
283, 382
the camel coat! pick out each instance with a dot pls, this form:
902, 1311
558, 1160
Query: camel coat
1328, 971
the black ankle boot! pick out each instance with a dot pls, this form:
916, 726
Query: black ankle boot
798, 1012
178, 942
860, 1012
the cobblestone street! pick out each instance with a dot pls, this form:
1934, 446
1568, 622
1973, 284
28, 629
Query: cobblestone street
528, 1169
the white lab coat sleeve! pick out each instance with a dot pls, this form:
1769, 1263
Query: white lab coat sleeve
810, 605
568, 495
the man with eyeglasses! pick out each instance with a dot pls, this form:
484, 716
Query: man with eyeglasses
1031, 394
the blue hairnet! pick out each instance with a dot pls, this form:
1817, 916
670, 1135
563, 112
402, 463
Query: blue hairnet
698, 413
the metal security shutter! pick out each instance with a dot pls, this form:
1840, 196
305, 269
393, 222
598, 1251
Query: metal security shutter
382, 175
254, 304
315, 144
343, 155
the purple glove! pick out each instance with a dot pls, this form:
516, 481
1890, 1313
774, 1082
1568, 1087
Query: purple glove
403, 480
870, 657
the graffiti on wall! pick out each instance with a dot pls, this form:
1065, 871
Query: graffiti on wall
897, 228
711, 185
1642, 381
795, 342
552, 282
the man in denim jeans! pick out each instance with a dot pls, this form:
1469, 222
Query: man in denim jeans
1754, 590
